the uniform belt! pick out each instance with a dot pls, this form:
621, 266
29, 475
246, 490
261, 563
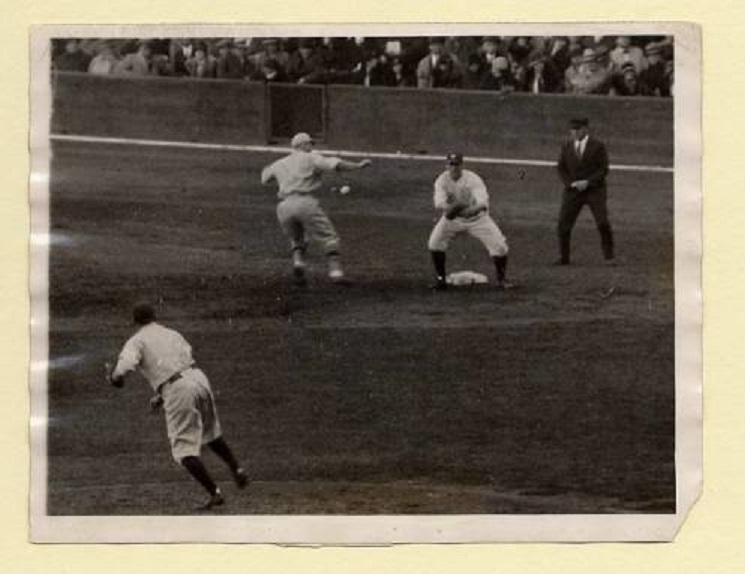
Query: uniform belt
173, 378
475, 215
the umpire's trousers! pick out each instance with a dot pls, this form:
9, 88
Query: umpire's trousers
571, 206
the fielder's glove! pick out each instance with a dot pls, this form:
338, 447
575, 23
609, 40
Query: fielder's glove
454, 211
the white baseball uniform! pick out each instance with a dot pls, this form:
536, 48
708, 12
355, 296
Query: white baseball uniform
163, 357
468, 190
299, 212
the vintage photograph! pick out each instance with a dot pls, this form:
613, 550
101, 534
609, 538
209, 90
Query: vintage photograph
398, 276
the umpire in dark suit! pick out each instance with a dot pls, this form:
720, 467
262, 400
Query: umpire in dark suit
583, 166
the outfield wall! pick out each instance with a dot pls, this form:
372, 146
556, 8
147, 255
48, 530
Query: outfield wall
518, 126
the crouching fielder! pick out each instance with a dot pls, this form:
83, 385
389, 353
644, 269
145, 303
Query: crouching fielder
461, 196
163, 357
300, 216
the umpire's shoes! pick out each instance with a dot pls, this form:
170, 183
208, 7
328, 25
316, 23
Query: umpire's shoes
213, 501
240, 478
561, 262
504, 285
298, 276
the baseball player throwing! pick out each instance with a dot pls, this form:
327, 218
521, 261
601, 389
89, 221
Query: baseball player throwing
300, 216
461, 197
163, 357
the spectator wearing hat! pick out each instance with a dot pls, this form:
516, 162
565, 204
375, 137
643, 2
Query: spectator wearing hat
401, 76
228, 65
542, 76
73, 59
475, 72
626, 53
104, 62
446, 74
583, 167
137, 63
499, 77
179, 51
270, 72
202, 64
573, 74
626, 83
490, 49
306, 65
425, 71
557, 54
270, 50
374, 70
593, 77
655, 79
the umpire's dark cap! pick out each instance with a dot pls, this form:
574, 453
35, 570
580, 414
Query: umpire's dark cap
143, 313
576, 123
454, 158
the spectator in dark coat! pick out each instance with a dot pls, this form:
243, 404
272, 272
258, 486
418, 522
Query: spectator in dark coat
499, 77
655, 79
305, 65
446, 74
542, 76
270, 72
401, 76
375, 71
473, 77
228, 65
73, 59
626, 83
179, 51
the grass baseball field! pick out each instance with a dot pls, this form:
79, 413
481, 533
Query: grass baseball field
381, 398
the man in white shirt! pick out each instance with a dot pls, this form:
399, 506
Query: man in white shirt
299, 176
461, 196
163, 357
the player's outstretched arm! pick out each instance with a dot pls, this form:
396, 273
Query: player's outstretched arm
345, 165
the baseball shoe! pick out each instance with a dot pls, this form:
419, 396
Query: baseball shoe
337, 277
240, 478
611, 262
213, 501
439, 285
559, 262
298, 276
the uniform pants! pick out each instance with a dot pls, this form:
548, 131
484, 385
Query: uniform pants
481, 227
301, 219
191, 416
571, 205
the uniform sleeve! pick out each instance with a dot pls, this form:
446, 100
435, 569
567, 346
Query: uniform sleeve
478, 191
129, 358
324, 163
441, 196
267, 174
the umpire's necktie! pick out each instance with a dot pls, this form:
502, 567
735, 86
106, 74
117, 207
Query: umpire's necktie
578, 149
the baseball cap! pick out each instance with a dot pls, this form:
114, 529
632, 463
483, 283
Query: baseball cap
454, 158
300, 139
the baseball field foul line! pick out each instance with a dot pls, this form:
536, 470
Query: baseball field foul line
284, 150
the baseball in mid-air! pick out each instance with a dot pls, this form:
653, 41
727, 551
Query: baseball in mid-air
345, 189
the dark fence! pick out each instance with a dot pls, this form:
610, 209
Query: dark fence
518, 126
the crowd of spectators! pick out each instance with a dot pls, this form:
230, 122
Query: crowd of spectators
616, 65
